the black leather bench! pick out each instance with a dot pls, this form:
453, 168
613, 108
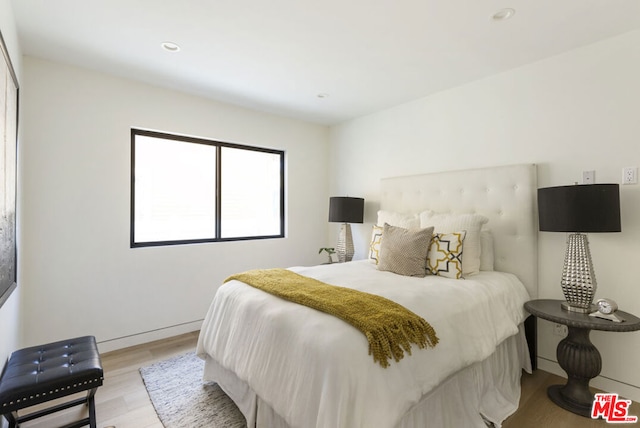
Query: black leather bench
42, 373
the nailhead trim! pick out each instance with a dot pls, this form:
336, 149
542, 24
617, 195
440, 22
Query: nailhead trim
31, 397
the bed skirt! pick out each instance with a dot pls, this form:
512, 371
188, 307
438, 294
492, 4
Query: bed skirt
487, 390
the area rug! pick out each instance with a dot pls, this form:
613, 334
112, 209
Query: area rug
182, 399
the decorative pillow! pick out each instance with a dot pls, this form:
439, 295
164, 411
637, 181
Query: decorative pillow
449, 223
374, 246
486, 250
445, 255
404, 251
406, 221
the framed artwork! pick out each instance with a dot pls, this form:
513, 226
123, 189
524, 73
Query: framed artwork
8, 173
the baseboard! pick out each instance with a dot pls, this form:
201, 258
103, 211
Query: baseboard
629, 392
148, 336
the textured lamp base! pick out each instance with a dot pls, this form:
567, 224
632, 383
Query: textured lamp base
578, 278
345, 244
567, 307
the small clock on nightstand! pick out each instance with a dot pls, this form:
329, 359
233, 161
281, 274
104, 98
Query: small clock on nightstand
607, 310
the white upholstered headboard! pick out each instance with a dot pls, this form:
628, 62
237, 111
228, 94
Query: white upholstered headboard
506, 195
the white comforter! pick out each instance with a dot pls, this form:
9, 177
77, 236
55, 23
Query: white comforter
314, 369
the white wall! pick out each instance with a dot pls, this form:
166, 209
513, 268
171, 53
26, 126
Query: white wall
573, 112
10, 311
79, 274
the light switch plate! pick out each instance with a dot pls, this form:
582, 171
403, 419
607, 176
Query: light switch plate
588, 177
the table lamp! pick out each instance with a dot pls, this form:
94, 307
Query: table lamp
579, 209
345, 210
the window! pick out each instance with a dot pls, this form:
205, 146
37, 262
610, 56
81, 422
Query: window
187, 190
9, 89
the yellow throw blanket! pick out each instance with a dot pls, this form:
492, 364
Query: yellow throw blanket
389, 327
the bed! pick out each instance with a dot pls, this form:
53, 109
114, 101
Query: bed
286, 365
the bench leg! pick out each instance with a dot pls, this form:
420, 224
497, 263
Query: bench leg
11, 418
91, 402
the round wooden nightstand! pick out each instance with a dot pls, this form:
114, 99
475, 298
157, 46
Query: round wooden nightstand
576, 354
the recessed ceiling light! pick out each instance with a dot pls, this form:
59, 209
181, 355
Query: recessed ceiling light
170, 47
503, 14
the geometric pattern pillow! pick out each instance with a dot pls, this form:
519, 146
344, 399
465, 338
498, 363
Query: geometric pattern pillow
448, 223
374, 246
445, 254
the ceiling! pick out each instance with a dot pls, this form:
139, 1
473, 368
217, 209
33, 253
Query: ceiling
324, 61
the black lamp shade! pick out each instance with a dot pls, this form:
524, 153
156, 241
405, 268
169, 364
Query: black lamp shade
343, 209
580, 208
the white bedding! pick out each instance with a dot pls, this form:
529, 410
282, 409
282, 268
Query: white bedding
314, 370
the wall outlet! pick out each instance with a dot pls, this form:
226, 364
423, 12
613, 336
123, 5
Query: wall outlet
588, 177
630, 175
560, 330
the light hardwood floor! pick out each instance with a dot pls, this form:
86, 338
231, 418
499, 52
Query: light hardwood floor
122, 402
536, 410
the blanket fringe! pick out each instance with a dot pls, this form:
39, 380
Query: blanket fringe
383, 348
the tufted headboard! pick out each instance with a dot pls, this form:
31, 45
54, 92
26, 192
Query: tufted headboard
506, 195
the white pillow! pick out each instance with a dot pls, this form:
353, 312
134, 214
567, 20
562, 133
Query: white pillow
450, 223
486, 250
406, 221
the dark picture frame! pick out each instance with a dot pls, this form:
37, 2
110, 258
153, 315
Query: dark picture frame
9, 98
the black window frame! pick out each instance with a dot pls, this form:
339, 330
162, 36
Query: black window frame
218, 191
10, 282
